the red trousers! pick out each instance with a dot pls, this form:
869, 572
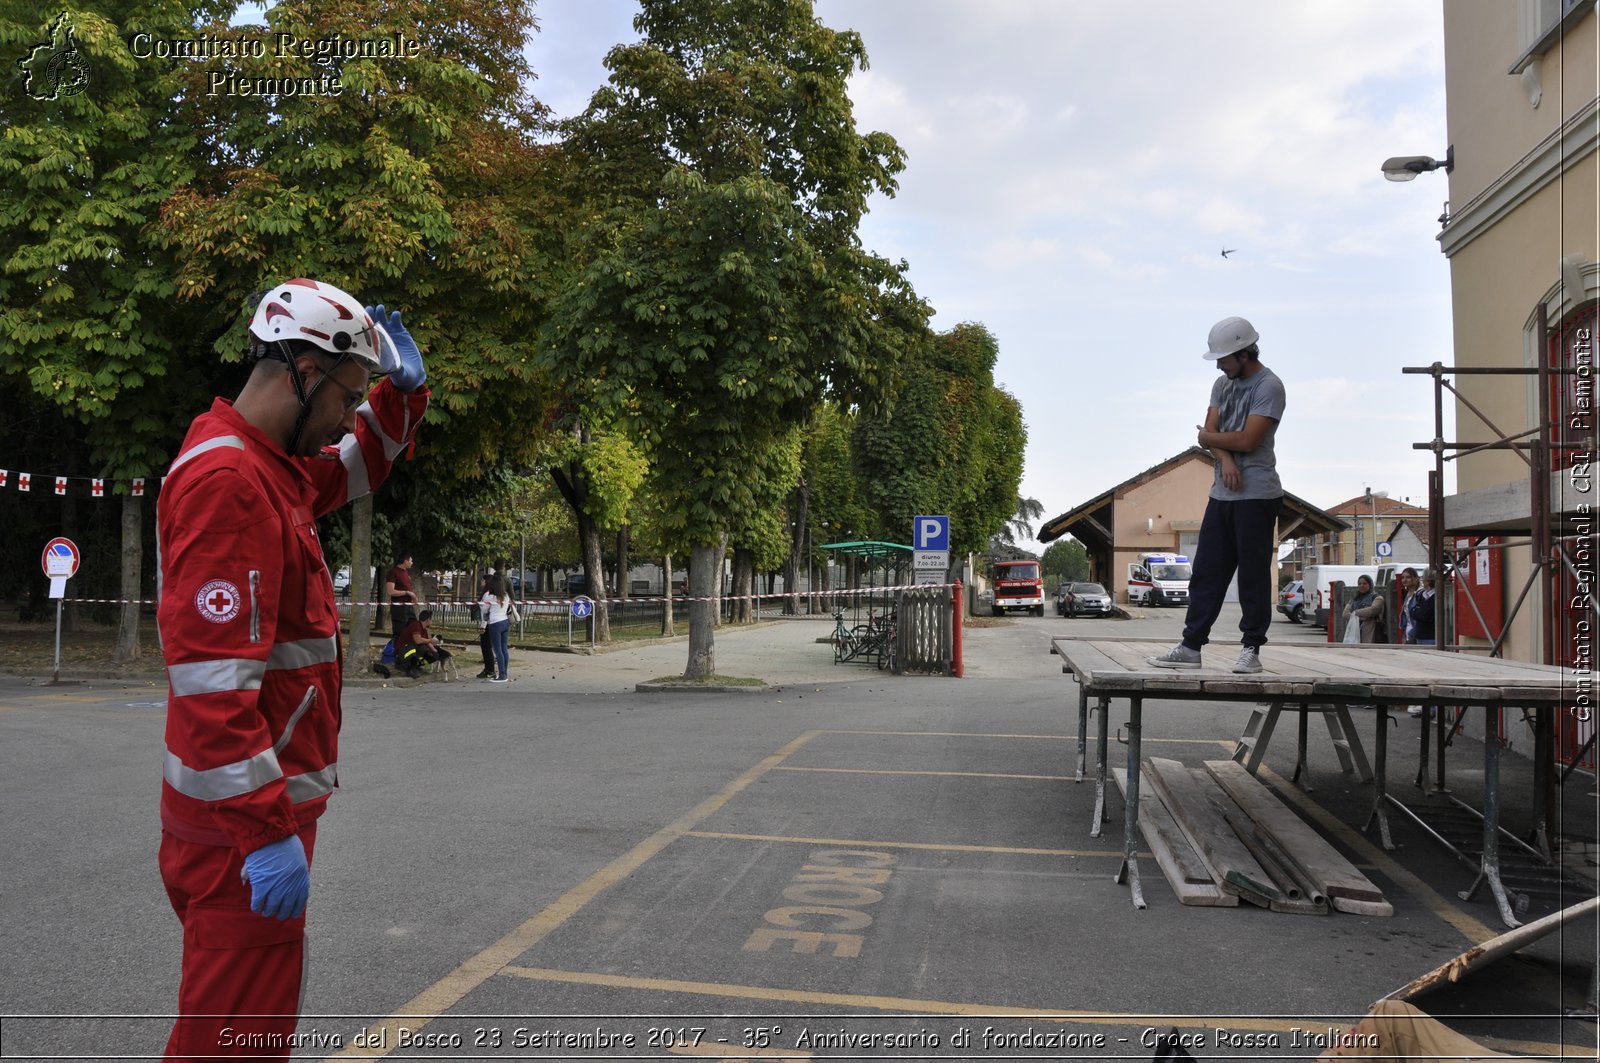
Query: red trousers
242, 972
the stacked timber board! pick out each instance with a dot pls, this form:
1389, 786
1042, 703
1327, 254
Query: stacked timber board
1220, 836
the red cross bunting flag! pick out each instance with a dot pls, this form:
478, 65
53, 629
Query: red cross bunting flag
138, 486
4, 474
61, 485
98, 489
24, 482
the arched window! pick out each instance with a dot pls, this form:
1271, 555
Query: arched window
1572, 395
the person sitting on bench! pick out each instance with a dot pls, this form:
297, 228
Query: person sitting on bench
417, 646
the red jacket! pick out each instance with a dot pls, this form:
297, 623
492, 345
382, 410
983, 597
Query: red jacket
248, 621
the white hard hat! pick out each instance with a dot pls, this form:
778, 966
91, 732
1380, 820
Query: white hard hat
1229, 336
329, 317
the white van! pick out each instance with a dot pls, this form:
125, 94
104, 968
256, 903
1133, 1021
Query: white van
1317, 578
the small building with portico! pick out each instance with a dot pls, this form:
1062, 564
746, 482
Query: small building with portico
1159, 510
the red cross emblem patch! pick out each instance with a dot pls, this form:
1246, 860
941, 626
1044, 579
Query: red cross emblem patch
218, 601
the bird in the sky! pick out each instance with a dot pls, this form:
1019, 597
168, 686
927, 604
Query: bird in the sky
1226, 251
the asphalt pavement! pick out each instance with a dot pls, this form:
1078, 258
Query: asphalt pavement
844, 864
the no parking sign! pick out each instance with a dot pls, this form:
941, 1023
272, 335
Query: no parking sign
60, 562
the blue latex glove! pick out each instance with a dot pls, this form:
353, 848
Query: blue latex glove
409, 375
279, 878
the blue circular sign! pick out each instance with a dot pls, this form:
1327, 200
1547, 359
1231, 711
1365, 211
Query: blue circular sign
582, 607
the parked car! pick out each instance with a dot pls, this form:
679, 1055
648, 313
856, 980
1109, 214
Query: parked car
1087, 599
1062, 590
341, 582
1292, 601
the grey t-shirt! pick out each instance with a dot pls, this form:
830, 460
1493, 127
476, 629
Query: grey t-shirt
1235, 401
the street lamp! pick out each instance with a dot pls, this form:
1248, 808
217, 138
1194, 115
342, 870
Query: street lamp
1406, 167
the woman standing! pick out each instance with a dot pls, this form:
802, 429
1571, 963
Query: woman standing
494, 618
1367, 609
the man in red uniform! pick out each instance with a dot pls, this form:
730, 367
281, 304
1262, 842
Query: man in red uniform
250, 632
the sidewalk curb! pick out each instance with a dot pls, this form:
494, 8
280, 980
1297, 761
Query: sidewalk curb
702, 688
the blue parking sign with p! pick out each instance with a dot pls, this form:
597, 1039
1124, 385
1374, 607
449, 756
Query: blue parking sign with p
930, 533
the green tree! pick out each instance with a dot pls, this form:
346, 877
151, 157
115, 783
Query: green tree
952, 443
416, 186
1065, 561
598, 474
724, 290
1020, 526
86, 315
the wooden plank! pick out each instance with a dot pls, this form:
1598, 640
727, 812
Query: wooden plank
1087, 662
1257, 688
1225, 856
1333, 670
1415, 663
1186, 873
1335, 876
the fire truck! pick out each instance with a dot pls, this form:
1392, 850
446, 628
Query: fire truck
1017, 585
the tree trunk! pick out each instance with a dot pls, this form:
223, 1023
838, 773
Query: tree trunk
667, 623
796, 562
594, 568
744, 570
705, 578
358, 654
622, 561
132, 577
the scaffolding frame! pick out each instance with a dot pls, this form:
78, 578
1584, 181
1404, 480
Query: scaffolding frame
1547, 550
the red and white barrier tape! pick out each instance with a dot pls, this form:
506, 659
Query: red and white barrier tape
845, 592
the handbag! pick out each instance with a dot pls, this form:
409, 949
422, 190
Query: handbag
1352, 631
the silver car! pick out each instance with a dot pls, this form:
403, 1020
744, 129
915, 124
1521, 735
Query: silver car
1088, 599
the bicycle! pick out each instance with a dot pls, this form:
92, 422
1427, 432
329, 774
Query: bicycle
844, 640
876, 638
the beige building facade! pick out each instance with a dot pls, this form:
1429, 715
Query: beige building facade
1523, 114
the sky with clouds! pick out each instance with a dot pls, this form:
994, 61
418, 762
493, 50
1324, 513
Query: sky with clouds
1075, 169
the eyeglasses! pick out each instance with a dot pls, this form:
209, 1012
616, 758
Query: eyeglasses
353, 398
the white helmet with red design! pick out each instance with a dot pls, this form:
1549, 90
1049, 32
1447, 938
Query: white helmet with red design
332, 319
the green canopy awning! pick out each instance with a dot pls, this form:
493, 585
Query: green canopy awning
868, 548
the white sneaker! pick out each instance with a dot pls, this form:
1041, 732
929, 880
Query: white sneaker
1180, 656
500, 679
1249, 660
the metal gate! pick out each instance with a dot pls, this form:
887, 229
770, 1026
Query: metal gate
923, 630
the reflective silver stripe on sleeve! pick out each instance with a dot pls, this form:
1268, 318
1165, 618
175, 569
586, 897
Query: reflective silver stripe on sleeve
288, 728
356, 481
212, 677
200, 448
391, 446
219, 784
255, 605
312, 784
303, 654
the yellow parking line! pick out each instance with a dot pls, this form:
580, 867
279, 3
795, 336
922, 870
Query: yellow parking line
1038, 738
963, 774
449, 990
911, 1007
855, 843
900, 1005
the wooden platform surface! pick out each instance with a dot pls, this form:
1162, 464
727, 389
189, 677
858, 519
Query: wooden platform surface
1330, 672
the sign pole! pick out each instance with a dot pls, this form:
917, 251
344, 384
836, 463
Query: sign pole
55, 674
60, 563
